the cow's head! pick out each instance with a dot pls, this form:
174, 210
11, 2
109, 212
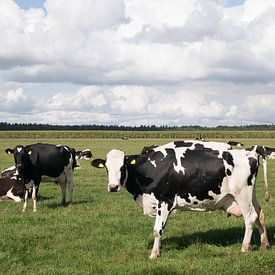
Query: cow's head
116, 165
21, 157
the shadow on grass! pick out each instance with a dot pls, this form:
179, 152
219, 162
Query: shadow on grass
218, 237
58, 205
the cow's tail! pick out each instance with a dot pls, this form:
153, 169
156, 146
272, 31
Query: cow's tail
261, 151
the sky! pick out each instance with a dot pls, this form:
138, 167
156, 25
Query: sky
137, 62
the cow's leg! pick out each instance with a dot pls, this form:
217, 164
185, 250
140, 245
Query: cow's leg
161, 218
12, 196
70, 184
62, 181
266, 188
244, 200
34, 198
63, 193
25, 200
260, 222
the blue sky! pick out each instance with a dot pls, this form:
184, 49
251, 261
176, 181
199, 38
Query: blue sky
26, 4
232, 3
133, 62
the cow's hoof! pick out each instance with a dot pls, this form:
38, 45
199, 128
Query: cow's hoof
265, 246
245, 248
23, 210
34, 210
154, 255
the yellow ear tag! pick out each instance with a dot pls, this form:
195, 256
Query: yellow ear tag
133, 161
100, 165
30, 152
9, 152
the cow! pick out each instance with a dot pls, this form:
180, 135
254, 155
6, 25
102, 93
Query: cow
84, 154
235, 143
12, 188
188, 176
37, 160
263, 152
9, 172
270, 152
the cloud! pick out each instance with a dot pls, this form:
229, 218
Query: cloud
134, 42
130, 105
138, 61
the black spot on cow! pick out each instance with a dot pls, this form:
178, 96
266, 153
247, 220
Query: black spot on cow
253, 169
228, 158
199, 146
159, 212
183, 144
228, 172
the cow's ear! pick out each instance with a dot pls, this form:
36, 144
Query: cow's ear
9, 151
131, 159
98, 163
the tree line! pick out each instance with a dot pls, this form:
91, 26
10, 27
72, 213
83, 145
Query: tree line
5, 126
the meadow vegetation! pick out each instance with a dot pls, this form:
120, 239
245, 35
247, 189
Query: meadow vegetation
107, 233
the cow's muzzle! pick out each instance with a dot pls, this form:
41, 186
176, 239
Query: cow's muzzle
113, 188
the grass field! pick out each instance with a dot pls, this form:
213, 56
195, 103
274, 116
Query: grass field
107, 233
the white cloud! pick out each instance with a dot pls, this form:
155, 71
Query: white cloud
139, 61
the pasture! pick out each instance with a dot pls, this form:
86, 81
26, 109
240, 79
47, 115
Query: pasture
107, 233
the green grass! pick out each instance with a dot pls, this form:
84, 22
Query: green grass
106, 233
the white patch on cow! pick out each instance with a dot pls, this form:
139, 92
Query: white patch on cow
148, 203
195, 204
163, 148
19, 149
210, 144
114, 162
153, 162
13, 197
272, 155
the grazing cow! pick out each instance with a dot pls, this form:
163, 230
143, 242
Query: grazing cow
235, 143
37, 160
12, 188
270, 152
85, 154
263, 152
189, 176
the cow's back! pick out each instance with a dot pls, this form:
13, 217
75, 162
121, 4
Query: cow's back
48, 159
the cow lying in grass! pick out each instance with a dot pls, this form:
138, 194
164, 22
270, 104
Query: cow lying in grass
12, 188
189, 176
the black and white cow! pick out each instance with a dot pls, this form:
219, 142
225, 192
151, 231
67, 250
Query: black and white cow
12, 188
263, 152
189, 176
9, 172
84, 154
37, 160
270, 152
